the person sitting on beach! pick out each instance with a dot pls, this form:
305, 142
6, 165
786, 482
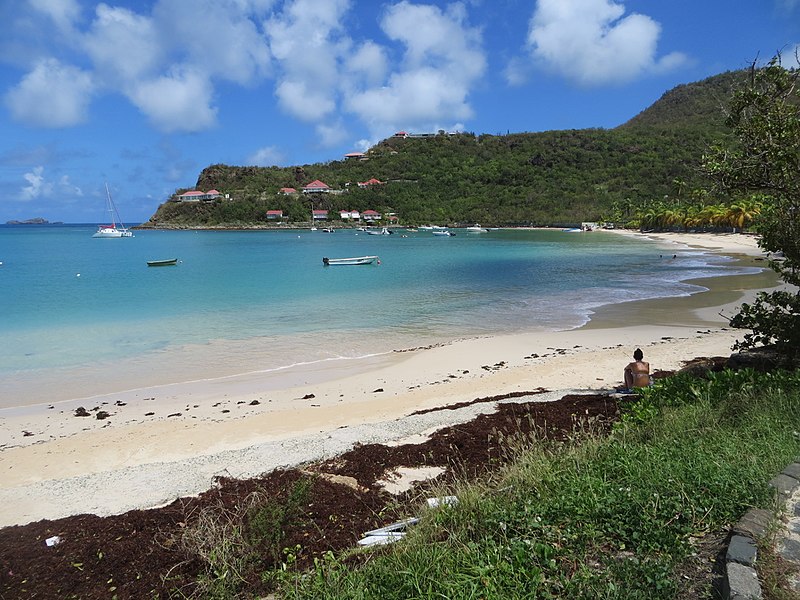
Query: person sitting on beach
637, 373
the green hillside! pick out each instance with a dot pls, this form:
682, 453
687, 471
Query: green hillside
546, 178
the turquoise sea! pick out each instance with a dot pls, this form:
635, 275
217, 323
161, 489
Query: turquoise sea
80, 315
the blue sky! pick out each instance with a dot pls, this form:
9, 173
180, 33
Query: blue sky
144, 94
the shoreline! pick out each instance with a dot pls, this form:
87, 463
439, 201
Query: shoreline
160, 443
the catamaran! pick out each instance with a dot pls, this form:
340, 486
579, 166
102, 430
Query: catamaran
112, 231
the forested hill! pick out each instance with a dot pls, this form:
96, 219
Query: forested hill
546, 178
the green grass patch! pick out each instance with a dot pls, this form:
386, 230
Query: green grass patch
600, 517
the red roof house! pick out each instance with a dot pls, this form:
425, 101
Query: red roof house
274, 214
316, 187
373, 181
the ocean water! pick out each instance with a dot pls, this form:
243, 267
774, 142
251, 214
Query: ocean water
79, 316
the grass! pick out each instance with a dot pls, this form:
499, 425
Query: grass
612, 517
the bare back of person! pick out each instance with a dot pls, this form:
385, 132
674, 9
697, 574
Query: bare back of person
640, 373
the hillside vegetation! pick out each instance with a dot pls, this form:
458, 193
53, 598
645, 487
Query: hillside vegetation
546, 178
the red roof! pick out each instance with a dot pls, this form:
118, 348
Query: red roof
288, 190
193, 193
274, 212
354, 154
320, 212
372, 181
370, 212
316, 184
209, 192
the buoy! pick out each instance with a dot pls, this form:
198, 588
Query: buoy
78, 275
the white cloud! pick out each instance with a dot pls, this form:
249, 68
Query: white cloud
68, 188
63, 12
37, 186
179, 101
123, 46
220, 36
51, 95
308, 42
592, 42
368, 63
443, 60
267, 156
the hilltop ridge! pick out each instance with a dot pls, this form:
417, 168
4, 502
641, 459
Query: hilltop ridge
542, 178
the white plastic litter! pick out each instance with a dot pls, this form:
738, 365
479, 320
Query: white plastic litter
442, 501
52, 541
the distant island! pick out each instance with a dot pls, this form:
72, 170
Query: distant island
34, 221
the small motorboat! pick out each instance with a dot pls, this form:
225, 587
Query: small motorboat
356, 260
477, 229
168, 262
383, 231
442, 232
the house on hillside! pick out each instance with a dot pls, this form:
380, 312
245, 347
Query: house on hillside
197, 196
287, 191
355, 156
350, 215
373, 181
371, 215
316, 187
274, 215
319, 215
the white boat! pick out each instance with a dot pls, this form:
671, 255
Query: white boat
328, 230
476, 229
112, 231
383, 231
356, 260
442, 232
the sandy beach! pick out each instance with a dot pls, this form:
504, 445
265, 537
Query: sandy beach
145, 447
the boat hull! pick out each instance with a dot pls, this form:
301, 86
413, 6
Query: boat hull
112, 232
356, 260
162, 263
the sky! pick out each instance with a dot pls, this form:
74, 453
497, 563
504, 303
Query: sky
142, 95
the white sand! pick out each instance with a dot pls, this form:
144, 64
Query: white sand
164, 442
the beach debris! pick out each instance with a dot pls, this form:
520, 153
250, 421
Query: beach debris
308, 397
387, 535
175, 415
255, 403
82, 412
52, 541
442, 501
149, 414
375, 391
225, 410
119, 403
402, 479
102, 415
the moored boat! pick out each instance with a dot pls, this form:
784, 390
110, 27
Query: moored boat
476, 229
112, 231
383, 231
442, 232
355, 260
162, 263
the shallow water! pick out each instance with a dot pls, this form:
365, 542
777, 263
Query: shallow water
82, 315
